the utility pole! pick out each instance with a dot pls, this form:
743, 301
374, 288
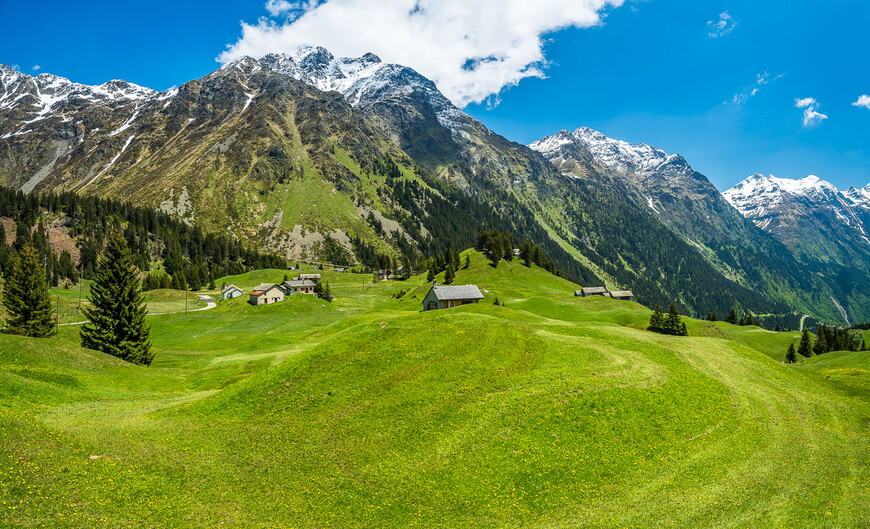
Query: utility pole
185, 297
57, 319
80, 289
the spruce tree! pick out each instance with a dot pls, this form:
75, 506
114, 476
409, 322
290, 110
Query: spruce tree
821, 345
449, 274
673, 323
117, 313
805, 347
467, 261
791, 355
26, 297
430, 276
732, 317
657, 320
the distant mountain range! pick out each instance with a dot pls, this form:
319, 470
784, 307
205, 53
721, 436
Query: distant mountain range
308, 154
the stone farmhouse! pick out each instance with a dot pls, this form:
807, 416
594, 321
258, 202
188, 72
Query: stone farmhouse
298, 286
265, 294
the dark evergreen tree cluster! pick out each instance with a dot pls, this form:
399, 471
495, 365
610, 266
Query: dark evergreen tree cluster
670, 323
836, 339
497, 245
192, 258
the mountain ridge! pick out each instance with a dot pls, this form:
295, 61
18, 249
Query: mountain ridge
259, 149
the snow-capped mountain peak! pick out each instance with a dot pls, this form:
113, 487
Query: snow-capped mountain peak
41, 96
617, 155
767, 200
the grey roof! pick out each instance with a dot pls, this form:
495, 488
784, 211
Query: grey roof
451, 293
309, 276
594, 290
263, 286
297, 283
622, 294
230, 287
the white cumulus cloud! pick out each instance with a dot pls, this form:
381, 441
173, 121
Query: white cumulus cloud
721, 27
811, 116
36, 67
471, 48
863, 101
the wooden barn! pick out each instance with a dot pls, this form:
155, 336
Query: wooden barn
448, 296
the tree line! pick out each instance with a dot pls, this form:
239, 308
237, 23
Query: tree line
192, 259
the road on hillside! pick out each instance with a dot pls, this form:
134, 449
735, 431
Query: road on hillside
210, 304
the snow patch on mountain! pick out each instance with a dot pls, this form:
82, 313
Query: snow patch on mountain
363, 81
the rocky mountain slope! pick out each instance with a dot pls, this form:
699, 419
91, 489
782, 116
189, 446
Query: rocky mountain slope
809, 215
305, 152
690, 205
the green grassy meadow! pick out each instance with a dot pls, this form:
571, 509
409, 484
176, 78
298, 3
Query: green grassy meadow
549, 412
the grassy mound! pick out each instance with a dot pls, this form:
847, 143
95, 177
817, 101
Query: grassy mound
550, 411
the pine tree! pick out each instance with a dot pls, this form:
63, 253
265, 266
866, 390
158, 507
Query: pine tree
791, 355
732, 317
805, 347
777, 329
117, 313
26, 297
863, 347
449, 274
673, 322
467, 261
496, 252
430, 276
456, 260
657, 320
821, 345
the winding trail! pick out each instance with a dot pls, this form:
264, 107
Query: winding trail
210, 304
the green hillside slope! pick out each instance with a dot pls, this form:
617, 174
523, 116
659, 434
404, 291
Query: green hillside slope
550, 411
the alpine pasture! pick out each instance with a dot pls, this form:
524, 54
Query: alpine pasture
550, 411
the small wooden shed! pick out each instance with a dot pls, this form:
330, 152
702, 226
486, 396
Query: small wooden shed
592, 291
231, 291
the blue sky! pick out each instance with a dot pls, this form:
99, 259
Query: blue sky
654, 71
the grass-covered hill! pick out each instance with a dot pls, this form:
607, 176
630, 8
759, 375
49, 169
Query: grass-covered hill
550, 411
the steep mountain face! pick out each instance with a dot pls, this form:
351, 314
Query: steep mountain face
307, 152
690, 205
810, 215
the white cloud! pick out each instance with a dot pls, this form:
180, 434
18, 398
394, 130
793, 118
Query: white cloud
36, 67
811, 116
760, 80
721, 27
471, 48
281, 7
863, 101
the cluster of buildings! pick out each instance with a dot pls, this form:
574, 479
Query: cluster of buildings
586, 292
266, 293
